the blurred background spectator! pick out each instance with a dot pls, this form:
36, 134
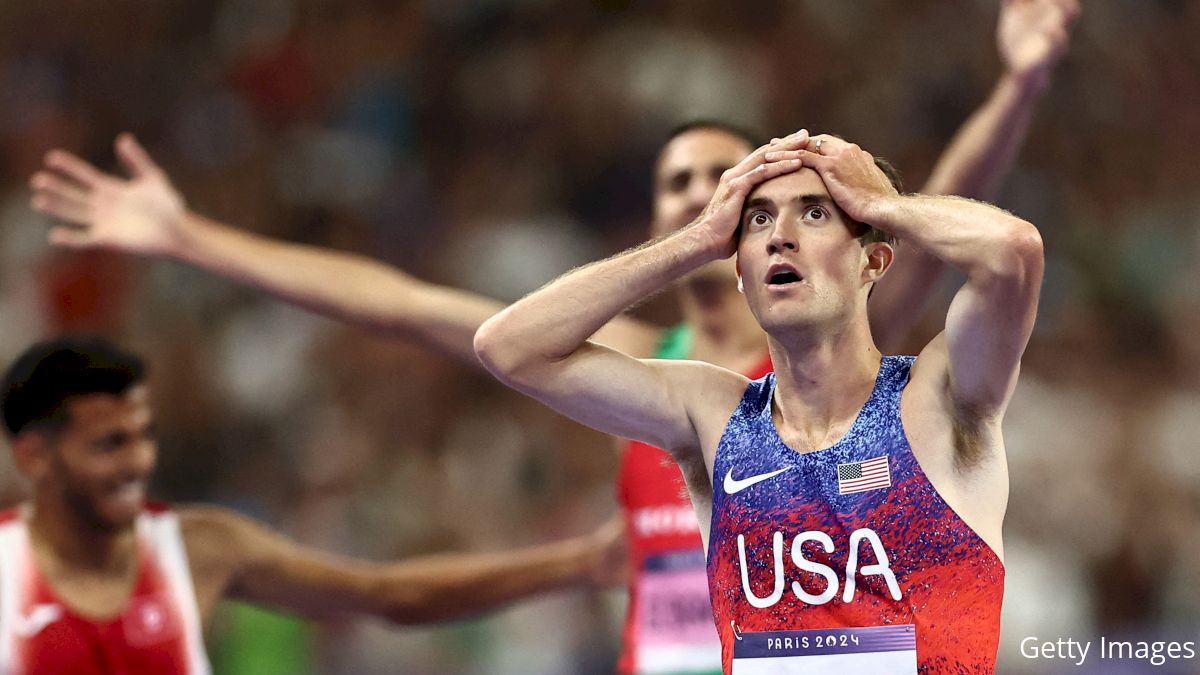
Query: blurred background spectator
492, 144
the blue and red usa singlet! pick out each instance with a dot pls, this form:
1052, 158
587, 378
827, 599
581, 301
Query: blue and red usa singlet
157, 633
844, 560
668, 624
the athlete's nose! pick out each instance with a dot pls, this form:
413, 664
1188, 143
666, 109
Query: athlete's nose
141, 458
782, 239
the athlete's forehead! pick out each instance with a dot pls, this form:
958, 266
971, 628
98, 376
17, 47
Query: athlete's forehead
804, 186
99, 412
701, 149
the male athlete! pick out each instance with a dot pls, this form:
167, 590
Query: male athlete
95, 580
668, 626
851, 503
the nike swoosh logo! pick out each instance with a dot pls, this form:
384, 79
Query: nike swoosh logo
38, 618
733, 486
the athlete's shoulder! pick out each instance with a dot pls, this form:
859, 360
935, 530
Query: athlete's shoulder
210, 521
756, 395
217, 538
896, 370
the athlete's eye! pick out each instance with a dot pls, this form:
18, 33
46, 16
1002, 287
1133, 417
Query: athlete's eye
110, 442
678, 182
814, 213
758, 219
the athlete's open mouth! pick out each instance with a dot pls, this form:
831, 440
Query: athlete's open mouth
130, 493
781, 274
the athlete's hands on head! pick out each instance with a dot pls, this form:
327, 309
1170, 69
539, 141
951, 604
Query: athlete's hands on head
854, 182
142, 214
720, 219
1033, 34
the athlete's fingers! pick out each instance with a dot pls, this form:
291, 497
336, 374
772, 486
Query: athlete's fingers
61, 207
825, 144
814, 161
783, 155
756, 158
134, 157
70, 237
52, 183
58, 206
75, 168
796, 140
747, 164
763, 173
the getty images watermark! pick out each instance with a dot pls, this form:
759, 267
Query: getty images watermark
1080, 652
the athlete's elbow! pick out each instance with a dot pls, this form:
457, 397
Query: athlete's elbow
1017, 254
1027, 252
1025, 243
498, 347
410, 602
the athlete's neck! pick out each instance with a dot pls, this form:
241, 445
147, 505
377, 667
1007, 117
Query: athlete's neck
822, 380
726, 332
55, 530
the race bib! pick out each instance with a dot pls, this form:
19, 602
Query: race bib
878, 650
674, 620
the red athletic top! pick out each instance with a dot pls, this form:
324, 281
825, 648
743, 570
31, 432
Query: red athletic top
669, 621
158, 632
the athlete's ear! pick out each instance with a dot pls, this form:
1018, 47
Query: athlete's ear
737, 268
880, 255
31, 454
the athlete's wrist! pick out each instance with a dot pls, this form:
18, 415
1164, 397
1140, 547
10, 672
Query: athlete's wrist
706, 241
571, 563
881, 211
190, 238
1030, 82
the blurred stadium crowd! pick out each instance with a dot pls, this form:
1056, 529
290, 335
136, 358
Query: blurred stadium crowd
491, 144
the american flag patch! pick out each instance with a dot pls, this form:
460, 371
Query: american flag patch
862, 476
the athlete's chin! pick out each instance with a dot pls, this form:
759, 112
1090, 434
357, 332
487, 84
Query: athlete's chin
781, 318
117, 514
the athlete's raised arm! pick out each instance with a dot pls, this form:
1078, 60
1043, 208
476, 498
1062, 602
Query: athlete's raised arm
540, 344
235, 557
992, 315
1032, 36
146, 215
